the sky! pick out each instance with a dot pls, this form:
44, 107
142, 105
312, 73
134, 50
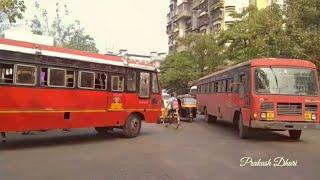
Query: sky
136, 25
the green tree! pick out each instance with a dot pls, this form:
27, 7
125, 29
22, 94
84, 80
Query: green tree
303, 28
10, 11
69, 35
178, 72
259, 33
206, 52
81, 41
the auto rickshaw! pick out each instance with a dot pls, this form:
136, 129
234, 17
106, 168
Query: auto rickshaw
188, 107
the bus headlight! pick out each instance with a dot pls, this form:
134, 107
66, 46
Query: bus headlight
270, 115
263, 115
314, 117
267, 116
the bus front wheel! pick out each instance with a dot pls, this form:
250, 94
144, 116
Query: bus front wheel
244, 131
132, 127
295, 134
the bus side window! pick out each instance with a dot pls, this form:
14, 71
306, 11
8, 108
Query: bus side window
57, 77
86, 80
212, 87
6, 74
230, 87
144, 85
224, 86
117, 83
216, 87
219, 86
25, 74
70, 77
243, 83
235, 87
155, 85
100, 81
44, 76
131, 81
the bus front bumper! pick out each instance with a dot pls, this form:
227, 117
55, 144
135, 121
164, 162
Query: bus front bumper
284, 125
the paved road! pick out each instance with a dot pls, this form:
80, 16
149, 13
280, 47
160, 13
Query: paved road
195, 151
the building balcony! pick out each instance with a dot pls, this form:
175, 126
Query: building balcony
183, 11
215, 4
169, 17
196, 4
203, 21
216, 15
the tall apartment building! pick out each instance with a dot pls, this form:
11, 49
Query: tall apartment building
199, 16
179, 22
204, 17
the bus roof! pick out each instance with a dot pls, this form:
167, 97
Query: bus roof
267, 62
32, 48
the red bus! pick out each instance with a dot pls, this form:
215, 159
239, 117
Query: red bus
269, 93
44, 88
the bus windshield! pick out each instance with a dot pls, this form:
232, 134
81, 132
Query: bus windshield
292, 81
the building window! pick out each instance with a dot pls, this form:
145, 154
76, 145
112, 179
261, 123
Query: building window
86, 80
155, 85
25, 75
117, 83
57, 77
101, 81
144, 85
131, 81
6, 74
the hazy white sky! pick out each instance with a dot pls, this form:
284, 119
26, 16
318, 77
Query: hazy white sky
136, 25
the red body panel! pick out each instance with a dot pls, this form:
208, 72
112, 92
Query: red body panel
24, 108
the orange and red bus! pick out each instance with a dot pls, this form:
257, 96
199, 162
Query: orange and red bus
267, 93
44, 88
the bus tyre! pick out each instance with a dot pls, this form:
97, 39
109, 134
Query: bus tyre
208, 118
132, 127
295, 134
244, 131
103, 130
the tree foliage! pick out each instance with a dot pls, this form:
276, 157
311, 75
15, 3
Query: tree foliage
68, 35
178, 71
10, 11
291, 31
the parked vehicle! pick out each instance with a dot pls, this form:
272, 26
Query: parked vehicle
193, 91
267, 93
44, 88
187, 107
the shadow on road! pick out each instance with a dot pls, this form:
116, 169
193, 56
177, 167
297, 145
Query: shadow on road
257, 135
60, 140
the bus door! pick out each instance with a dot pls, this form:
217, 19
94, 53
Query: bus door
244, 95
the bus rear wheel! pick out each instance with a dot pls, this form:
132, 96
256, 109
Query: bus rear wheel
295, 134
209, 118
103, 130
244, 131
132, 127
